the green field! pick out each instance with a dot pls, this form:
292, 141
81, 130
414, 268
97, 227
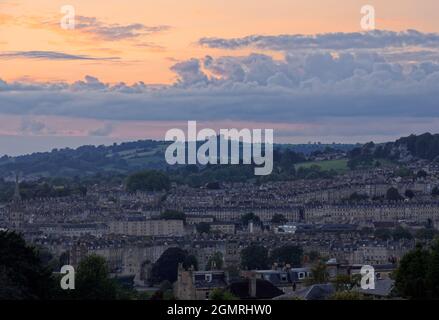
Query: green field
326, 165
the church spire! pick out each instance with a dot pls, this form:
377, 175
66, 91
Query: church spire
17, 196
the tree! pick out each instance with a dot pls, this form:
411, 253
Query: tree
401, 233
222, 294
213, 185
168, 295
319, 274
22, 274
313, 256
421, 174
410, 280
254, 257
162, 295
284, 161
365, 231
64, 259
279, 218
47, 259
166, 289
203, 227
246, 218
409, 194
93, 281
165, 285
426, 234
215, 262
190, 262
429, 224
358, 197
418, 274
393, 195
432, 277
382, 234
403, 172
149, 180
173, 215
166, 267
233, 271
287, 254
344, 282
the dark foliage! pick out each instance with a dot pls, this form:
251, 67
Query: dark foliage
166, 266
254, 257
22, 273
149, 180
287, 254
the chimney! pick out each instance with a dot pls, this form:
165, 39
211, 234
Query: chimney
252, 286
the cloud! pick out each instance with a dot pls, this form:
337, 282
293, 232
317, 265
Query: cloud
295, 71
105, 131
30, 126
115, 31
50, 55
189, 72
375, 39
381, 90
343, 94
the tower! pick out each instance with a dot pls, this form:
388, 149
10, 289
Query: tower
16, 214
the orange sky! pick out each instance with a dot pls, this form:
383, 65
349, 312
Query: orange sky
33, 25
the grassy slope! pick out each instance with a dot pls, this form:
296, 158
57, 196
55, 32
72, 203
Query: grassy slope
337, 165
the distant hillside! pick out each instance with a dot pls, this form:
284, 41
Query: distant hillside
406, 149
425, 146
118, 158
87, 160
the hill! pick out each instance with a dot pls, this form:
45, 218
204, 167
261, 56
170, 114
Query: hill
87, 160
121, 158
403, 150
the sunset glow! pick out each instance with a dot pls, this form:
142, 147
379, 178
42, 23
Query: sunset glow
195, 50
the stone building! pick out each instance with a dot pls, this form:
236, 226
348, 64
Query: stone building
223, 227
198, 285
143, 227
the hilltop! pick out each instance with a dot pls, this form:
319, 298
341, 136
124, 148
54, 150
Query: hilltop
403, 150
120, 158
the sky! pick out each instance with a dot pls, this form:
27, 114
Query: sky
134, 69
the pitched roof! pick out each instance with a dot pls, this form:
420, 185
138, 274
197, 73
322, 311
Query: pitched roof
383, 288
314, 292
